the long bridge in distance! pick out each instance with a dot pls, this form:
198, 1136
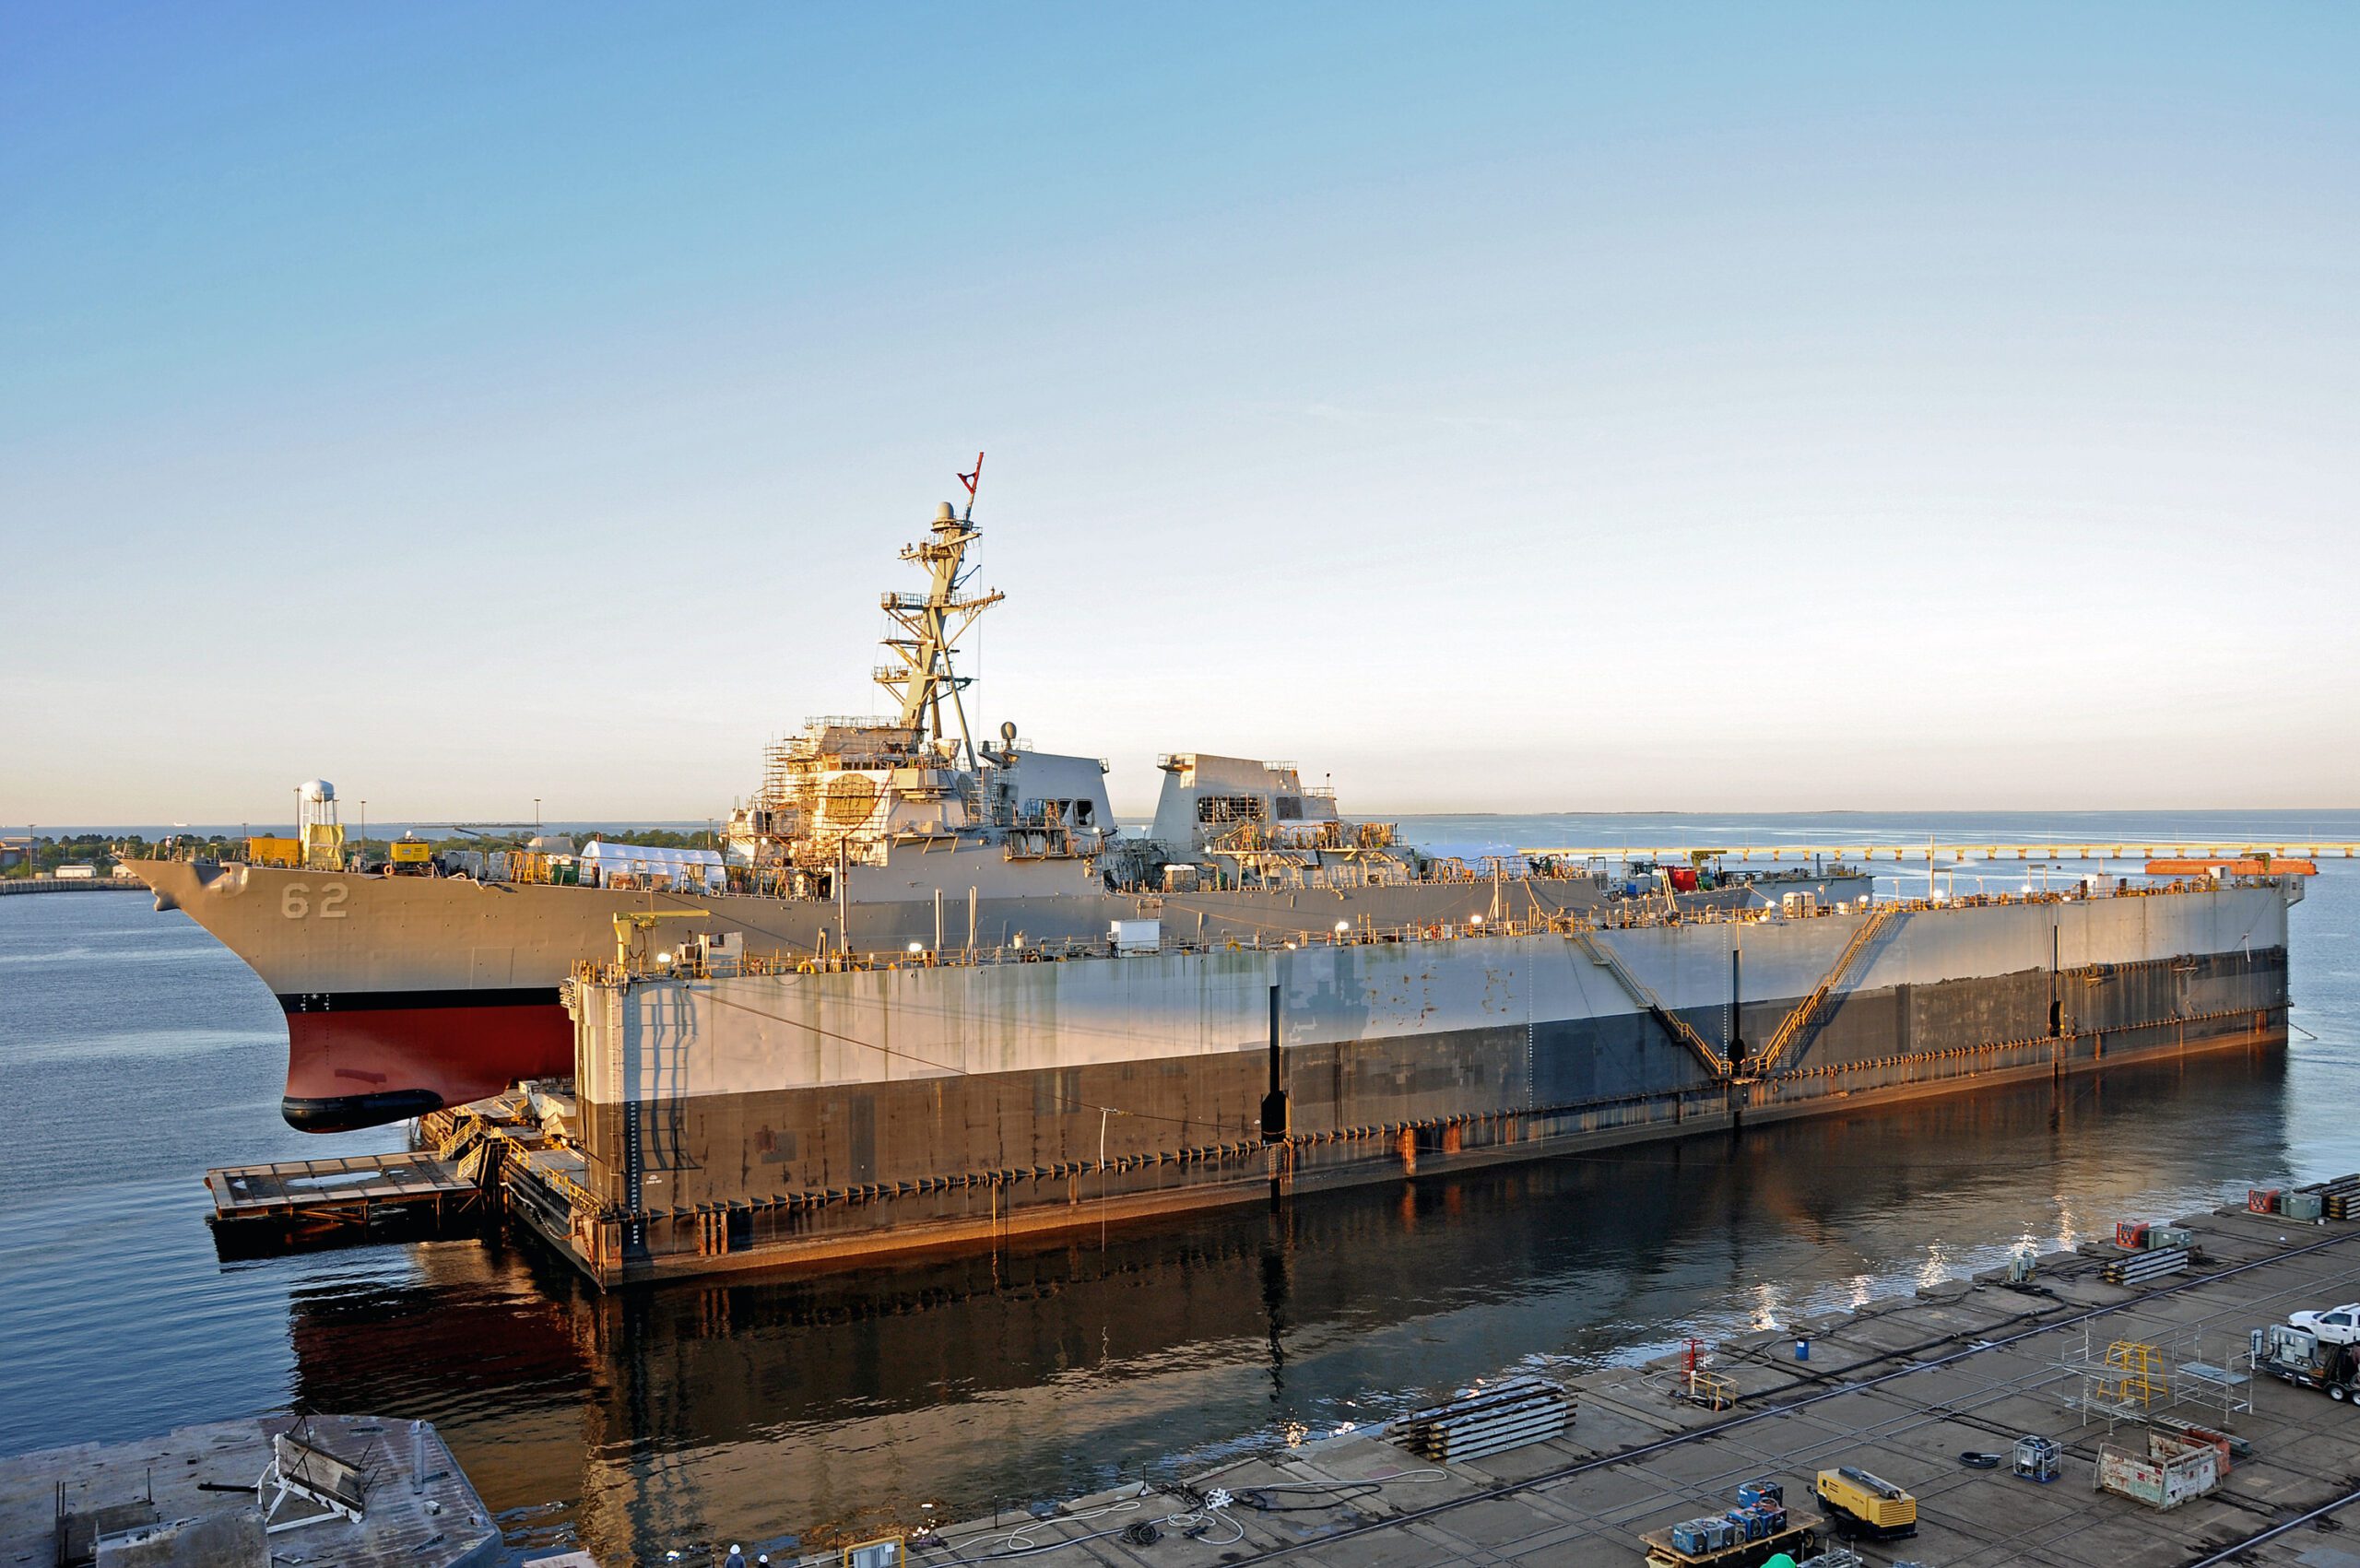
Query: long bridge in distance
2188, 851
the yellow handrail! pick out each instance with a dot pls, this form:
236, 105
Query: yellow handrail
1799, 1019
1679, 1027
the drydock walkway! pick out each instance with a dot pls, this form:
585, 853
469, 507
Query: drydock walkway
1902, 1388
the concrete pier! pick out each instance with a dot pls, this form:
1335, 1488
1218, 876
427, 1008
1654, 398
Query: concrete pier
1903, 1388
70, 885
359, 1491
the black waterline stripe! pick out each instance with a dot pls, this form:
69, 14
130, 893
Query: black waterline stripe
389, 1001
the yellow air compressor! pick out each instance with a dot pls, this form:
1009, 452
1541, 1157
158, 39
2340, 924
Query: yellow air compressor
1861, 1504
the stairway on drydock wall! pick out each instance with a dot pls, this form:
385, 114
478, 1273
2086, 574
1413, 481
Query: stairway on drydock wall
1679, 1027
1807, 1010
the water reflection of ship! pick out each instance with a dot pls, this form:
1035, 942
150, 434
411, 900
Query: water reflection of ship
769, 1407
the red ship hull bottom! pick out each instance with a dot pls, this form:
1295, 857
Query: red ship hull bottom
360, 1061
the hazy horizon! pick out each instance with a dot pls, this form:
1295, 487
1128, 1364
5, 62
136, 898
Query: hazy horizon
1510, 409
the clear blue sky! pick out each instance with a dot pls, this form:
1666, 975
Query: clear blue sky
1743, 406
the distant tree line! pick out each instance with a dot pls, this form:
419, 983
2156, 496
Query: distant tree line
653, 838
74, 849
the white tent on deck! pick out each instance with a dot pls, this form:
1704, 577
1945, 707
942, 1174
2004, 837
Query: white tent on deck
681, 868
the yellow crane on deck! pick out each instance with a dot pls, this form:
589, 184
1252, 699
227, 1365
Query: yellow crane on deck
635, 920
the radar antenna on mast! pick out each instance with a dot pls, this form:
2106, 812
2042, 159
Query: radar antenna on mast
932, 623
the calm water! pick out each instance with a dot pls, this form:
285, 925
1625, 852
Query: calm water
136, 1053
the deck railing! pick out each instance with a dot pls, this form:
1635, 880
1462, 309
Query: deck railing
1874, 916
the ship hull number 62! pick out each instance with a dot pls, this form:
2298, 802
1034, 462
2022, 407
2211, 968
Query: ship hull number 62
295, 901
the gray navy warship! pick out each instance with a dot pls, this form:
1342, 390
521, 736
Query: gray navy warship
413, 985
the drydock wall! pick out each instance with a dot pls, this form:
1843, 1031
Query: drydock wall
756, 1117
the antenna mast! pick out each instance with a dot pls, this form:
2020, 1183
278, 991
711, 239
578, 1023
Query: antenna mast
932, 623
971, 481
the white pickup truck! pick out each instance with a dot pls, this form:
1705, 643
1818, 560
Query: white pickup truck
2336, 1325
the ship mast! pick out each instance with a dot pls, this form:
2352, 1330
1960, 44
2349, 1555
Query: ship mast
932, 623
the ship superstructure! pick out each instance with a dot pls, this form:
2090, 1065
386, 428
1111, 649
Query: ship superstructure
1257, 824
866, 791
900, 792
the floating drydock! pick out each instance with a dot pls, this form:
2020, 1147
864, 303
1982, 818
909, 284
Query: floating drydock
739, 1113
